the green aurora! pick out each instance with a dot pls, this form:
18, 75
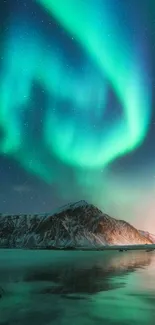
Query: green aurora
75, 140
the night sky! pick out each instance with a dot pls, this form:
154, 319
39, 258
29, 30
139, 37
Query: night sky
77, 106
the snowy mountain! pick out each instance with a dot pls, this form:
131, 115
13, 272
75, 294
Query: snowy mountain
148, 235
73, 225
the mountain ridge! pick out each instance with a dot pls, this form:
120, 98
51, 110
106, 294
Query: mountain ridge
77, 224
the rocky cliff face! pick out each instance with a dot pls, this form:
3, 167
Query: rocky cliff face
148, 235
74, 225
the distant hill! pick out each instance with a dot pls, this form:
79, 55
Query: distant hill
74, 225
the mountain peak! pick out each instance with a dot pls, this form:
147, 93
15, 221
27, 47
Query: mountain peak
77, 224
71, 205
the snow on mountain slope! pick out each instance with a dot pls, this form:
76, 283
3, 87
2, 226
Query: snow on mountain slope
73, 225
148, 235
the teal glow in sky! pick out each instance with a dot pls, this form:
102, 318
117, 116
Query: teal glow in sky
119, 61
76, 101
74, 140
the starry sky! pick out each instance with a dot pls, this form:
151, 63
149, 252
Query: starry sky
77, 106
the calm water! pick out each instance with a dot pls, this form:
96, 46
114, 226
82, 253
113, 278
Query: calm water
81, 288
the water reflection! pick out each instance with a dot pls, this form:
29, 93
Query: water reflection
60, 288
91, 276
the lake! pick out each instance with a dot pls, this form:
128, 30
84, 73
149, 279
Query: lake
80, 288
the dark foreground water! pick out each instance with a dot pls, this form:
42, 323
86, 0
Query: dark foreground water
80, 288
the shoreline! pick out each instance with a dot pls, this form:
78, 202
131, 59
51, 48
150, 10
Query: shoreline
146, 247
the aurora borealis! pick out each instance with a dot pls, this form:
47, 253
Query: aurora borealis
77, 106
